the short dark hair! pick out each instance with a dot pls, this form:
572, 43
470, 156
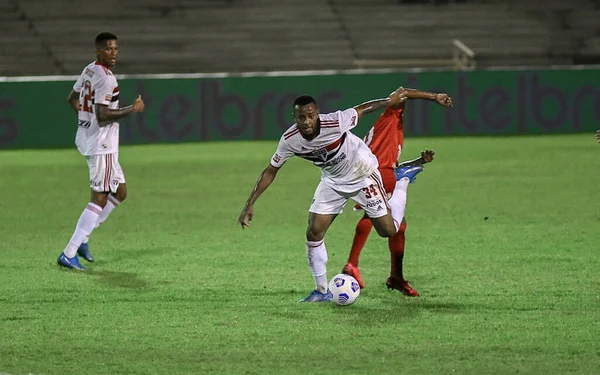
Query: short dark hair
303, 100
102, 38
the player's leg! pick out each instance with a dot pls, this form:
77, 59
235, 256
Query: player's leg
326, 205
118, 193
383, 139
388, 178
361, 234
396, 242
89, 217
396, 279
389, 224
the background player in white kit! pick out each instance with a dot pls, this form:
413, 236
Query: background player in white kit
95, 99
348, 171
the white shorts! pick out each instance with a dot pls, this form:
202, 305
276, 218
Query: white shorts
105, 172
372, 199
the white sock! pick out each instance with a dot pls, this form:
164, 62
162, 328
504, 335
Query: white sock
85, 226
398, 201
317, 260
111, 204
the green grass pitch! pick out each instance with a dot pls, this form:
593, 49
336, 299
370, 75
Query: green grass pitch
179, 288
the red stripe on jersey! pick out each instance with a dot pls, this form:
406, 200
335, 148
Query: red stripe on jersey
291, 133
334, 144
329, 123
116, 89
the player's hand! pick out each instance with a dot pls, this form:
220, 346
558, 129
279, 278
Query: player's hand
598, 135
427, 156
138, 104
397, 97
245, 218
444, 99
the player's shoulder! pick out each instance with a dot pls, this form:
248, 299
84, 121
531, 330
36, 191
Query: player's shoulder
101, 72
330, 120
333, 119
89, 71
292, 132
101, 68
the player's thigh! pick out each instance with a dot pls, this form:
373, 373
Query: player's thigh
326, 204
118, 176
389, 184
105, 173
373, 200
327, 201
388, 178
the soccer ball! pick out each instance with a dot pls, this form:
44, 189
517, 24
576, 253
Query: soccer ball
344, 289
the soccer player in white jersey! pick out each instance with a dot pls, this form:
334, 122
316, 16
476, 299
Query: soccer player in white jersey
348, 171
95, 99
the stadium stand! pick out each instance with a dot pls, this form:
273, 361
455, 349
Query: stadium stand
264, 35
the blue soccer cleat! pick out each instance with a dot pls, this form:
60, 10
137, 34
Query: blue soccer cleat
72, 263
316, 296
84, 252
409, 172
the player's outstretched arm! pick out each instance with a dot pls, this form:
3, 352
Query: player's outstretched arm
264, 180
394, 99
441, 98
426, 157
105, 114
73, 101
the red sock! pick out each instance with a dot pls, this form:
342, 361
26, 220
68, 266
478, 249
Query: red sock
396, 243
363, 228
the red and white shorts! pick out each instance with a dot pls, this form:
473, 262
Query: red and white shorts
372, 198
105, 172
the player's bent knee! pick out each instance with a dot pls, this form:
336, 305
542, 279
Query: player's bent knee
314, 234
385, 231
121, 196
99, 198
385, 228
121, 193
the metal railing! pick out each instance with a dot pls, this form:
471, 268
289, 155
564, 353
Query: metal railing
463, 58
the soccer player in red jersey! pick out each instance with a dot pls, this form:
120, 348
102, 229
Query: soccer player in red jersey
386, 139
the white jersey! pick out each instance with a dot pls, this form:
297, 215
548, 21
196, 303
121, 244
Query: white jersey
96, 85
345, 160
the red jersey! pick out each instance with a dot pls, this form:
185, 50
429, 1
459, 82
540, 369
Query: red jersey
386, 137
